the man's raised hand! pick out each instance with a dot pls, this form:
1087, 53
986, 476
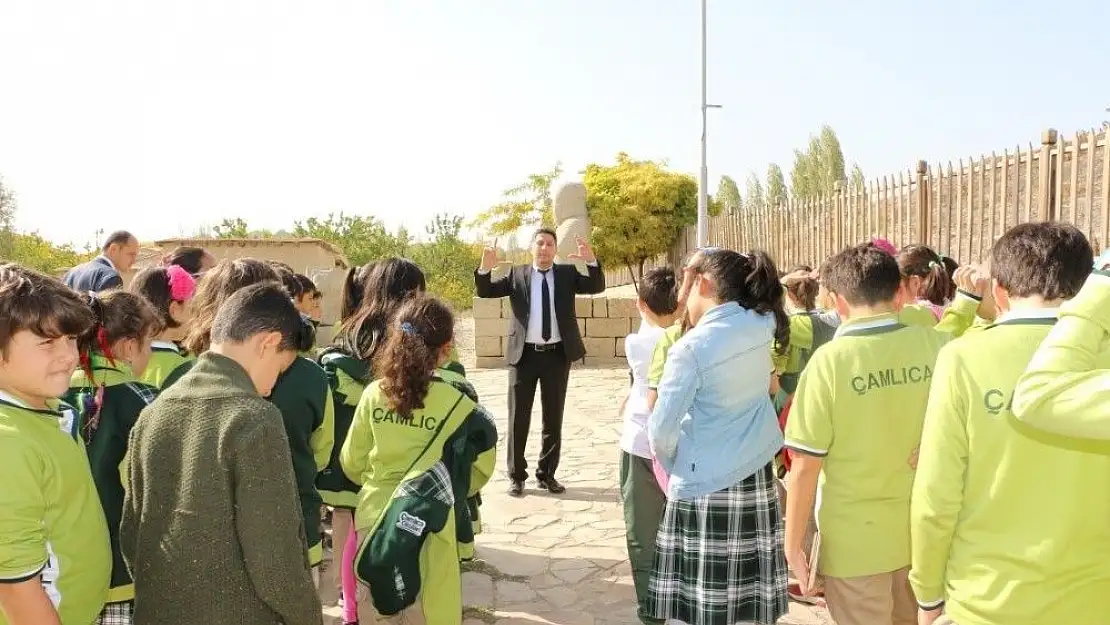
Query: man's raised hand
489, 257
585, 253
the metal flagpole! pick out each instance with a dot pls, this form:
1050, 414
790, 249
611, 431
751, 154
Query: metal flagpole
703, 174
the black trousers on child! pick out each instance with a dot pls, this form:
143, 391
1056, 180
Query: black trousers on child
550, 370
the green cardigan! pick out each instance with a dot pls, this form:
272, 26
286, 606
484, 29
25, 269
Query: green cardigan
212, 527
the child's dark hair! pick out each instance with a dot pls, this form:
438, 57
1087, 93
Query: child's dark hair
750, 280
416, 336
659, 291
950, 266
258, 308
354, 286
157, 286
227, 277
39, 304
190, 259
803, 290
119, 315
864, 275
389, 283
308, 287
1049, 259
923, 262
288, 279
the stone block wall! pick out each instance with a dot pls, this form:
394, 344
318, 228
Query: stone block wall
603, 321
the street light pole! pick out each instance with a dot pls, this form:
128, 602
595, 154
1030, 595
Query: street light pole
703, 173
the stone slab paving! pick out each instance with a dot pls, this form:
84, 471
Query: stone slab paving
558, 560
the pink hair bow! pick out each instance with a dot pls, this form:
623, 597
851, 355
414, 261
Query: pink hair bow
884, 245
182, 285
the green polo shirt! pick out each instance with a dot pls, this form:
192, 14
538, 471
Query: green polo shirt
860, 405
1008, 524
51, 523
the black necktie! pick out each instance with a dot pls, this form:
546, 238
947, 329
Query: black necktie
545, 301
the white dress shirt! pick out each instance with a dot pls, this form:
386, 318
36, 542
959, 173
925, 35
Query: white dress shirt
535, 313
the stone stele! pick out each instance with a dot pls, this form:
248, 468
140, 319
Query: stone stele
571, 219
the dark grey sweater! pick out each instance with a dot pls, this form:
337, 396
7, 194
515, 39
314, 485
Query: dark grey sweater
212, 528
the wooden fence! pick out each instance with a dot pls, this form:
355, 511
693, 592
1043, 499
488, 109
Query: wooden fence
958, 209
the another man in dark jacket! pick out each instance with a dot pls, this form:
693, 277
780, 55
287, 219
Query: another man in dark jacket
103, 272
543, 341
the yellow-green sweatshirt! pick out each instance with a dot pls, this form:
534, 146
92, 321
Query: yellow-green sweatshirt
1066, 387
1008, 524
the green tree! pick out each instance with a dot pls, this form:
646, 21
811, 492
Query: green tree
637, 209
36, 252
7, 220
728, 196
819, 167
448, 261
232, 229
362, 239
754, 198
776, 186
527, 204
856, 181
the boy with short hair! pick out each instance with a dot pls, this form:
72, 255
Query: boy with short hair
643, 497
310, 299
855, 422
998, 535
212, 524
55, 556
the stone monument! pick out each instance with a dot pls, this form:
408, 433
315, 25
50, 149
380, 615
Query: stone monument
571, 219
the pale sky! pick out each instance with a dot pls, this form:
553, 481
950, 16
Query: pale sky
161, 117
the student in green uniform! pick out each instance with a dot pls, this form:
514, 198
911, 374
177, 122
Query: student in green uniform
211, 527
310, 301
925, 282
55, 556
1066, 388
109, 397
302, 392
809, 329
169, 289
412, 446
855, 423
999, 534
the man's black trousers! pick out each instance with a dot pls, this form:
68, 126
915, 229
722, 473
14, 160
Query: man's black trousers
551, 371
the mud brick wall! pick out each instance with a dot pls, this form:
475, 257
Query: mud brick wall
603, 321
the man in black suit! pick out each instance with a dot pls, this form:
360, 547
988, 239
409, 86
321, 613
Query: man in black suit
102, 273
543, 341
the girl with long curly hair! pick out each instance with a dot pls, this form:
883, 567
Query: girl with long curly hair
414, 447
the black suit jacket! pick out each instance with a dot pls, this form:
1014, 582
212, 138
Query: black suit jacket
96, 275
517, 286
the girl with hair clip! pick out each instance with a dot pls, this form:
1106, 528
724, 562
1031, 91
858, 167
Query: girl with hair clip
926, 286
372, 295
169, 289
109, 397
301, 393
413, 446
715, 432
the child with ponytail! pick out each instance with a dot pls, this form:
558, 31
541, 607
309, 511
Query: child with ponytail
926, 285
108, 396
412, 446
169, 289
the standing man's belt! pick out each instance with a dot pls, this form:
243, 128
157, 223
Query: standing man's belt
547, 347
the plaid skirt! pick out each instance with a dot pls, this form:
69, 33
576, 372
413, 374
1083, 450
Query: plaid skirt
719, 558
117, 614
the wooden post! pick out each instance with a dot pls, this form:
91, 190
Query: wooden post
924, 228
1046, 188
838, 227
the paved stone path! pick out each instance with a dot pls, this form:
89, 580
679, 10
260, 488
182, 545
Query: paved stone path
559, 560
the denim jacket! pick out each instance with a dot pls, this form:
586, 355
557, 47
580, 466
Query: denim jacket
713, 424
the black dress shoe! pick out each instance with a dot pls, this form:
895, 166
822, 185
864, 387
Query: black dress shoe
552, 486
516, 488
